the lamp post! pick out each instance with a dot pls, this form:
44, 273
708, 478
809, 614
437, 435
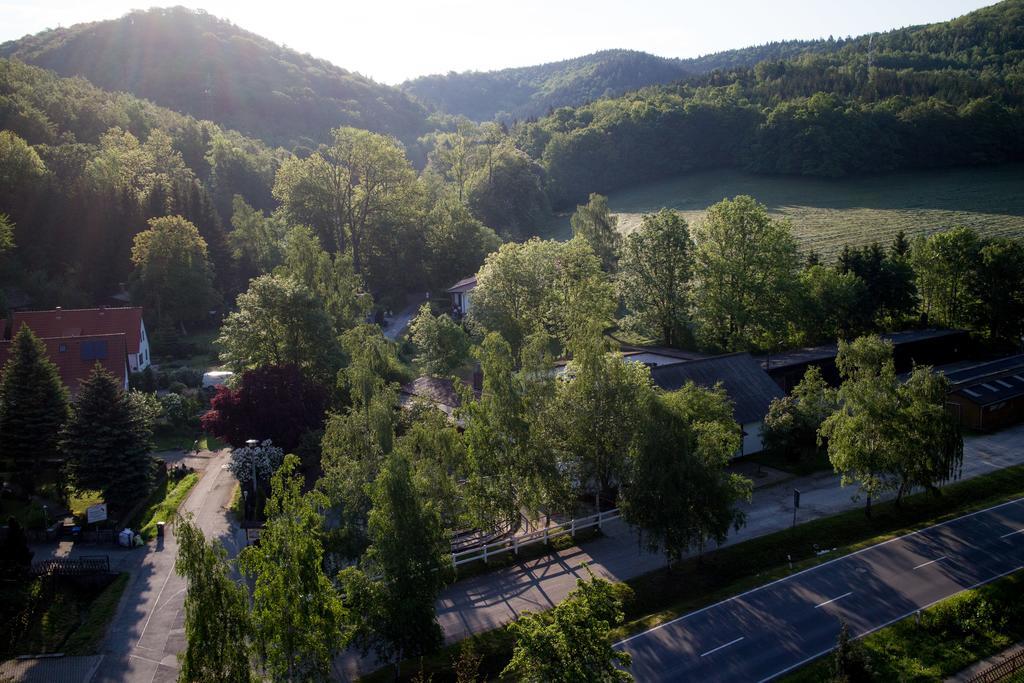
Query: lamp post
252, 443
46, 517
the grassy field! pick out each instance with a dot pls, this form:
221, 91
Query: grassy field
164, 503
829, 213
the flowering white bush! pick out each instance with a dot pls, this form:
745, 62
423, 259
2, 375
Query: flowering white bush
266, 456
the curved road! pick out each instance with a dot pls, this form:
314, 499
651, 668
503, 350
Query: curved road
768, 631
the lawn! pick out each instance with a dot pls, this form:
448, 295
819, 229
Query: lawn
829, 213
163, 504
50, 615
952, 635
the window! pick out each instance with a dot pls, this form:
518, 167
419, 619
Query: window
94, 350
63, 348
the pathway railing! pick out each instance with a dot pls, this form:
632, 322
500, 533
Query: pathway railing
1003, 669
514, 543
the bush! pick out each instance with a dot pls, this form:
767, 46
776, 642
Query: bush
145, 381
177, 388
964, 616
190, 377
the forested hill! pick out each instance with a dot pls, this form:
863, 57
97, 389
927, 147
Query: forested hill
531, 91
197, 64
923, 97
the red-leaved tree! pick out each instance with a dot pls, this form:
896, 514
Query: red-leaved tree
273, 402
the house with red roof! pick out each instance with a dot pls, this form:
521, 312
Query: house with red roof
76, 356
91, 322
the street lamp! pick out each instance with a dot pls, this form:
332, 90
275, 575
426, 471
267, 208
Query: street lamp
46, 517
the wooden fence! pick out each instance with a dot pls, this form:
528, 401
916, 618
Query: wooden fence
514, 543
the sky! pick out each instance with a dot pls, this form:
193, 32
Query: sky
394, 40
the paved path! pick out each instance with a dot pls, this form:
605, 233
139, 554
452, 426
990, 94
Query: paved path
761, 634
399, 321
147, 633
488, 601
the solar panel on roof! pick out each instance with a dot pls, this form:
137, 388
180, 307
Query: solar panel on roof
1005, 384
989, 387
972, 393
1018, 378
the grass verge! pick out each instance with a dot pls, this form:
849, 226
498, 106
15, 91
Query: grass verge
662, 596
951, 636
163, 503
86, 638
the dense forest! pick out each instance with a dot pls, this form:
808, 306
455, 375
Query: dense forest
925, 97
532, 91
193, 62
85, 169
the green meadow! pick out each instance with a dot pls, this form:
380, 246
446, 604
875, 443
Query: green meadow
826, 214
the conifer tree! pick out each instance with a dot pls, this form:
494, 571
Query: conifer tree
107, 442
33, 408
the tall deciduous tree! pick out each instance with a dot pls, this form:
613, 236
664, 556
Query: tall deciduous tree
33, 408
441, 343
456, 243
507, 471
172, 275
594, 424
745, 271
330, 277
280, 322
792, 423
298, 617
944, 264
347, 190
556, 288
832, 305
595, 223
391, 597
572, 642
887, 435
677, 489
107, 442
217, 625
655, 275
997, 290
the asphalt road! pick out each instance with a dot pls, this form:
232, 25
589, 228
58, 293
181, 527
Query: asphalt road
147, 632
761, 634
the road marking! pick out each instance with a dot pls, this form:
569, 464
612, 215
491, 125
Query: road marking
1013, 533
722, 647
155, 603
833, 599
871, 630
925, 564
841, 558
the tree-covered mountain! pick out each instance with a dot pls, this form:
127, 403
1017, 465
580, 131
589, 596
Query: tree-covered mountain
923, 97
197, 64
531, 91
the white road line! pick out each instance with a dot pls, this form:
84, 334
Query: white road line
840, 597
832, 648
1013, 533
155, 604
925, 564
1016, 501
721, 647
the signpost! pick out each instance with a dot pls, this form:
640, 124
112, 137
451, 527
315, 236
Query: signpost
796, 504
96, 513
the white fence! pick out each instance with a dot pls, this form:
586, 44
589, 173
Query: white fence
514, 543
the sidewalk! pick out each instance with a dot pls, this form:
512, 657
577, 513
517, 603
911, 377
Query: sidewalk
983, 665
487, 601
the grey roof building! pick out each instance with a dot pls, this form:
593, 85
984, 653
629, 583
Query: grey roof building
744, 380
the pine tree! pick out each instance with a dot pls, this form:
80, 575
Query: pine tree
107, 442
33, 408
